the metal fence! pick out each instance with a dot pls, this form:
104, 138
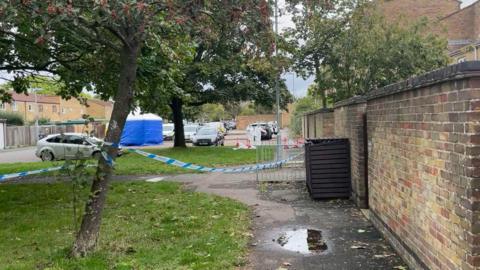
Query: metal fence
270, 151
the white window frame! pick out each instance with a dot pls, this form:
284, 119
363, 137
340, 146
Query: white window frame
14, 106
2, 106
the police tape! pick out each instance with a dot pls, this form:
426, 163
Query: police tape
190, 166
20, 174
166, 160
4, 177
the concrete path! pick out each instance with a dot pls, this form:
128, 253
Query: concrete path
25, 154
283, 211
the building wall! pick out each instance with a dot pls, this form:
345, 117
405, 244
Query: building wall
319, 124
413, 10
28, 110
463, 24
423, 158
71, 109
350, 123
99, 109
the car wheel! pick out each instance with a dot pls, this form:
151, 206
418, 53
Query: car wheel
46, 155
96, 155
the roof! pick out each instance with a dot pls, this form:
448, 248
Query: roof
31, 98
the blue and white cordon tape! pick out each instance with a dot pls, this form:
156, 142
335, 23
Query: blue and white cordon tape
166, 160
190, 166
20, 174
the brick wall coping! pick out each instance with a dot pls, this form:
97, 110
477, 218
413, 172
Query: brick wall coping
323, 110
454, 72
350, 101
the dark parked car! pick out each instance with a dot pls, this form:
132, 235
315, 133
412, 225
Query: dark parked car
208, 136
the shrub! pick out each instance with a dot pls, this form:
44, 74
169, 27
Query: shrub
12, 118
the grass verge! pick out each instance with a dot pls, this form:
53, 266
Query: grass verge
134, 164
145, 226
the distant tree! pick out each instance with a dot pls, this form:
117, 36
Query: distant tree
300, 107
350, 48
14, 119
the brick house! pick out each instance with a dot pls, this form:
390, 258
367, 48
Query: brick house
461, 26
55, 108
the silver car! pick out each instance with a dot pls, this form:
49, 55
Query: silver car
68, 146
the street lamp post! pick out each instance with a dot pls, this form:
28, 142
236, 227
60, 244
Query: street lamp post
277, 90
34, 90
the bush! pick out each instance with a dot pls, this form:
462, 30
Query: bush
12, 118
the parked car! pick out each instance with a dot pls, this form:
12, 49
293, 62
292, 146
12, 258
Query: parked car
208, 136
219, 126
69, 146
168, 132
189, 131
265, 129
273, 125
230, 125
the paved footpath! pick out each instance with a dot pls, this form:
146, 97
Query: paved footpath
283, 211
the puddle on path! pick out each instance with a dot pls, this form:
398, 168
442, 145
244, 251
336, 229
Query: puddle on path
304, 241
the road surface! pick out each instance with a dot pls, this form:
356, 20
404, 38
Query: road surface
27, 154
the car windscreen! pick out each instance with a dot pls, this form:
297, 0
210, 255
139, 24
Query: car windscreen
207, 131
190, 128
167, 128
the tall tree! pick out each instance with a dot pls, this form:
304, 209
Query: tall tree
372, 53
318, 26
232, 59
100, 45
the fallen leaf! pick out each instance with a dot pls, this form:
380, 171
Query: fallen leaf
400, 267
287, 264
360, 231
382, 255
357, 247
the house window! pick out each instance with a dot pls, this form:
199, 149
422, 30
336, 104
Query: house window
40, 108
2, 106
14, 106
461, 60
54, 108
63, 111
30, 108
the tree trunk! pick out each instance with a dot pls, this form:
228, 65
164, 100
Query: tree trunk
179, 138
87, 237
322, 93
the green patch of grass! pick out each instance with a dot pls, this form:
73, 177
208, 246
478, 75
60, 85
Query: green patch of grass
134, 164
145, 226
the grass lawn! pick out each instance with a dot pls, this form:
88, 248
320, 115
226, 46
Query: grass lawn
145, 226
134, 164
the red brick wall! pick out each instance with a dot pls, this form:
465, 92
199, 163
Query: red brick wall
350, 123
319, 124
413, 10
461, 25
424, 174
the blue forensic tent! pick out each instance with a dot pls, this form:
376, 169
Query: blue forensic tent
142, 129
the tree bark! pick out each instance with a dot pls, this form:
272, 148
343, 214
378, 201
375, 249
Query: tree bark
179, 138
87, 236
